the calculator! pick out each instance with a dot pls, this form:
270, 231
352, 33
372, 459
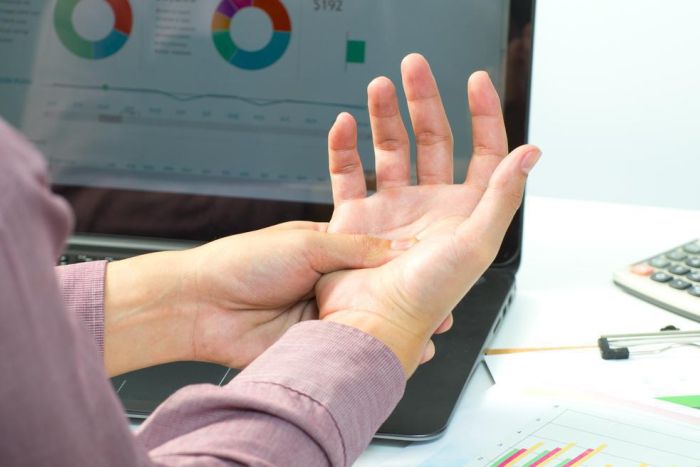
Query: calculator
670, 279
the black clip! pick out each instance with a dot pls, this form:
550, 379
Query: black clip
617, 347
622, 353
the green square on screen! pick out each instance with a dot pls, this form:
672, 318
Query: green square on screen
355, 52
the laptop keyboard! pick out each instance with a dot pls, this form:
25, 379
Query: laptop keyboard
72, 258
83, 248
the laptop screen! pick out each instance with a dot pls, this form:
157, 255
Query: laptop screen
197, 119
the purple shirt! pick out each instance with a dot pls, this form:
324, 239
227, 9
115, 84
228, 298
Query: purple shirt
315, 397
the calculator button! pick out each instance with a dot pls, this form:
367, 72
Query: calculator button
661, 277
692, 248
678, 255
694, 276
694, 290
679, 284
693, 261
642, 269
659, 262
679, 270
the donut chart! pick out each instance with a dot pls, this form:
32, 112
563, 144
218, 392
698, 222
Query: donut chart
93, 50
245, 59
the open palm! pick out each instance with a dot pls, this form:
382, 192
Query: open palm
398, 209
458, 227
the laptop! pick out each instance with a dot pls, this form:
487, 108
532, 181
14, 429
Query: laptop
170, 125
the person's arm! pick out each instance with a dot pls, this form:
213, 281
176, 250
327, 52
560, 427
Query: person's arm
345, 414
315, 399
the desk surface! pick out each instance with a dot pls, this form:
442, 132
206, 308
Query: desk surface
565, 291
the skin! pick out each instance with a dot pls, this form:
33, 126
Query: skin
459, 227
393, 264
227, 301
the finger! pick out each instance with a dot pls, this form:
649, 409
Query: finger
488, 130
445, 325
392, 150
483, 232
430, 126
428, 353
347, 176
328, 253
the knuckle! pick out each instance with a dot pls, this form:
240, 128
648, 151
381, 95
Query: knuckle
433, 138
508, 193
478, 252
390, 144
344, 167
481, 149
513, 199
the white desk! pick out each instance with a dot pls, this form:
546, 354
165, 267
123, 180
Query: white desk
565, 290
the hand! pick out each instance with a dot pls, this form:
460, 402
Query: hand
226, 301
459, 227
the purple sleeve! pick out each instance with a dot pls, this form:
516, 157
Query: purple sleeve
314, 398
82, 288
57, 406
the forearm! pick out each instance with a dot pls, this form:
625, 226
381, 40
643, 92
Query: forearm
129, 309
147, 319
316, 397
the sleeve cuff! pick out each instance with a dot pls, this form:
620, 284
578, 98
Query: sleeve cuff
350, 376
82, 288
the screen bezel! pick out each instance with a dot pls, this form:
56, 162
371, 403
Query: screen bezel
122, 212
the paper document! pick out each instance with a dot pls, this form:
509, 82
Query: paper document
671, 373
566, 428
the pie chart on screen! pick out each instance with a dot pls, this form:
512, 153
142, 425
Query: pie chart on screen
251, 59
93, 49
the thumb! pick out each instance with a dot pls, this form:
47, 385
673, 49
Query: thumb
330, 252
489, 221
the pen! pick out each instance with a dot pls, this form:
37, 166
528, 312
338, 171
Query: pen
536, 349
617, 346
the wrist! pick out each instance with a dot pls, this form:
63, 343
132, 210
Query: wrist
405, 344
144, 321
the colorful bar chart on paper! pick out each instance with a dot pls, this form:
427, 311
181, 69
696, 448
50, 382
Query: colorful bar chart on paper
687, 401
534, 456
572, 438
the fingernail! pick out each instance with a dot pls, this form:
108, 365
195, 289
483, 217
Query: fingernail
529, 160
403, 244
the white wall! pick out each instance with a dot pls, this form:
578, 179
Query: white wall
616, 101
